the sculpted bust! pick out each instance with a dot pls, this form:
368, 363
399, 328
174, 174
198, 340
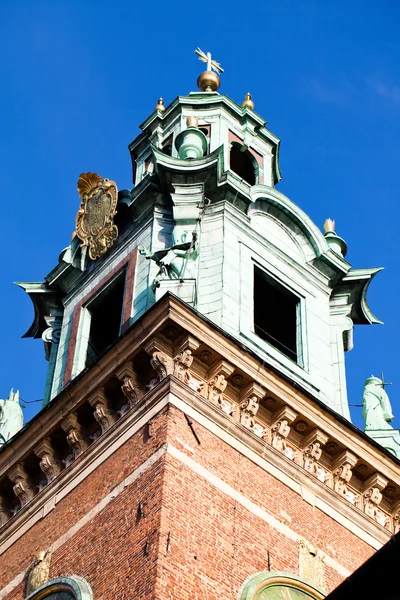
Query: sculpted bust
377, 412
11, 417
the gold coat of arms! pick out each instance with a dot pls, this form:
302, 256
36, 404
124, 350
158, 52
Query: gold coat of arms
95, 218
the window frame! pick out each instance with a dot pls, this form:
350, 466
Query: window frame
256, 166
259, 581
78, 587
298, 336
248, 258
83, 335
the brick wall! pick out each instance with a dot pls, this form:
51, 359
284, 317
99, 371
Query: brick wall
194, 540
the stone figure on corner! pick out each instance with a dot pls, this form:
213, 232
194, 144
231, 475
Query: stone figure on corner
377, 412
377, 415
11, 417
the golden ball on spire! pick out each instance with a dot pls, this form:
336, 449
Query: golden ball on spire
248, 102
208, 81
160, 105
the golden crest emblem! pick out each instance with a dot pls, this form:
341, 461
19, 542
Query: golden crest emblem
95, 218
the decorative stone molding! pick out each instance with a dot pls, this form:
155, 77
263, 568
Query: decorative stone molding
23, 487
311, 563
195, 384
281, 426
249, 404
184, 357
372, 496
396, 516
39, 571
312, 445
48, 460
76, 437
52, 334
5, 512
217, 382
160, 359
102, 413
130, 386
342, 471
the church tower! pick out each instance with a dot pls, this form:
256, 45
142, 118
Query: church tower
195, 437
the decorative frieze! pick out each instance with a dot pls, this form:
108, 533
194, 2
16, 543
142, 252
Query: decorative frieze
312, 451
76, 437
102, 412
280, 428
342, 471
130, 386
217, 383
23, 487
372, 497
48, 460
184, 357
249, 404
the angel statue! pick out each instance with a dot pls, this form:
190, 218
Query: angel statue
11, 417
174, 262
376, 412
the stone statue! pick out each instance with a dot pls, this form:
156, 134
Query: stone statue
39, 571
11, 417
377, 412
173, 263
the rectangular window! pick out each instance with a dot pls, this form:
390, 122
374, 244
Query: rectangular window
105, 312
276, 314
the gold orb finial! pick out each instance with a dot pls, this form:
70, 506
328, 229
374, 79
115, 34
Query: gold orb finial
329, 225
248, 102
160, 105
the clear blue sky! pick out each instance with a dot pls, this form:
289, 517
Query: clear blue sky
78, 78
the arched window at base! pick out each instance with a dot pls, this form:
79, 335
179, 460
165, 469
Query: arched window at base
63, 588
278, 585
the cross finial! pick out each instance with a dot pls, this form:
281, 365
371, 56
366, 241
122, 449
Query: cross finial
383, 381
211, 64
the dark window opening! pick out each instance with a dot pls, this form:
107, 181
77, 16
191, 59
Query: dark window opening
166, 146
105, 318
242, 163
275, 314
206, 129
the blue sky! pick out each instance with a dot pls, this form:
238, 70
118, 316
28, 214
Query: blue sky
79, 77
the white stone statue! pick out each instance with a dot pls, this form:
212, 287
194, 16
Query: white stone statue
11, 417
377, 412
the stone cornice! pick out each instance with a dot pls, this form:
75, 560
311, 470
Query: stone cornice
229, 386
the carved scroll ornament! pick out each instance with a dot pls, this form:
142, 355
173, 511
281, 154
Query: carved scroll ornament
95, 218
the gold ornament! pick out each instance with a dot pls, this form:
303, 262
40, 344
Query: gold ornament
208, 81
95, 218
248, 102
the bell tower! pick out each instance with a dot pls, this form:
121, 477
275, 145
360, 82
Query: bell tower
205, 222
195, 439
